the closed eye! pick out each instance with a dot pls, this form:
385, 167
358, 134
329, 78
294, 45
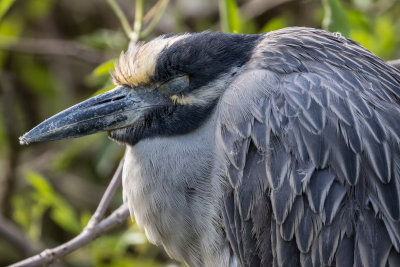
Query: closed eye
176, 85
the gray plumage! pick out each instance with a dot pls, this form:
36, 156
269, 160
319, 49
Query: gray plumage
317, 118
280, 149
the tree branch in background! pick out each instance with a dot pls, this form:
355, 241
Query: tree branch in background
8, 95
10, 232
53, 47
122, 18
161, 5
137, 24
92, 231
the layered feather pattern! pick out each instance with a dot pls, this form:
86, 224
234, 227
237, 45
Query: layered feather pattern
310, 130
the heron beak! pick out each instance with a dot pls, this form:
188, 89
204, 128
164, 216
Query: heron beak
118, 108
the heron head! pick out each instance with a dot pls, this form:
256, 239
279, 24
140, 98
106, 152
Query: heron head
168, 86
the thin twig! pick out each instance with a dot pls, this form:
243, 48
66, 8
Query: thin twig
53, 47
106, 199
153, 10
50, 255
121, 16
94, 228
153, 23
137, 26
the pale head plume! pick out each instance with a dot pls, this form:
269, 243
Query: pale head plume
137, 65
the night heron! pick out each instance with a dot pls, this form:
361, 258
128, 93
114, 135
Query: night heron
278, 149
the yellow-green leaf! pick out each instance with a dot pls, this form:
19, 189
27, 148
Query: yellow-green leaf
61, 212
104, 68
335, 17
4, 6
275, 24
230, 16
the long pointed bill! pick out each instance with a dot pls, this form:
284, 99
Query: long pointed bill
114, 109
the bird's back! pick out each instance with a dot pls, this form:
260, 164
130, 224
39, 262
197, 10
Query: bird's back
311, 132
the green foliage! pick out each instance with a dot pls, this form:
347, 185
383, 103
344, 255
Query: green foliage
45, 83
101, 73
10, 28
275, 24
36, 76
105, 39
335, 17
39, 9
45, 197
230, 16
376, 33
104, 68
4, 6
380, 38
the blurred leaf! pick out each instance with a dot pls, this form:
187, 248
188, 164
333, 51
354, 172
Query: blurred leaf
85, 218
105, 39
230, 16
41, 186
10, 29
386, 35
100, 76
250, 27
381, 39
104, 68
61, 212
359, 19
76, 148
35, 228
38, 9
335, 17
275, 24
4, 6
21, 211
36, 76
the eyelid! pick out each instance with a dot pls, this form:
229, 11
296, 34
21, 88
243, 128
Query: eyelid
175, 85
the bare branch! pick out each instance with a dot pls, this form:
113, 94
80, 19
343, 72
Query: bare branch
156, 18
153, 10
53, 47
50, 255
92, 231
122, 18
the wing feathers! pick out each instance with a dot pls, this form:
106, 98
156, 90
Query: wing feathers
311, 134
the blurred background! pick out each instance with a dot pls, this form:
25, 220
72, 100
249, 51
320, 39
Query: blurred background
55, 53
